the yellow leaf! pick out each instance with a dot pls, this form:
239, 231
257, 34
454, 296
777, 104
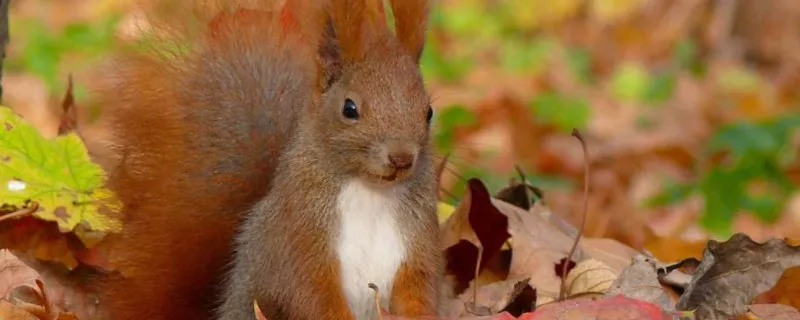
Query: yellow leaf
445, 211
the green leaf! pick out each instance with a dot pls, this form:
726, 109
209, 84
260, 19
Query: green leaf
57, 174
466, 171
447, 121
630, 82
685, 54
580, 61
660, 88
464, 18
723, 192
525, 56
435, 65
563, 112
783, 129
744, 138
672, 193
766, 207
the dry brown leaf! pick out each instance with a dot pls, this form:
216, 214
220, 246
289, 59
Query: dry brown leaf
68, 289
537, 246
491, 298
770, 312
9, 311
786, 291
590, 277
732, 273
673, 247
613, 253
640, 281
14, 273
42, 239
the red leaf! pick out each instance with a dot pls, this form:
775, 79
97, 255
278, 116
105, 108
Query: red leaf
490, 227
617, 307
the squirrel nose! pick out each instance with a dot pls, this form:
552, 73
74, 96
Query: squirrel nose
401, 160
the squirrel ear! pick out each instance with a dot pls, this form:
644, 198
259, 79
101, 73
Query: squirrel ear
330, 56
349, 19
411, 22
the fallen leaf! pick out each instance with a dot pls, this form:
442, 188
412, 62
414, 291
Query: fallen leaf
563, 267
57, 174
489, 299
476, 223
786, 291
68, 289
673, 274
13, 274
688, 264
613, 253
444, 211
538, 246
499, 316
589, 277
770, 312
41, 239
519, 193
9, 311
673, 247
616, 308
732, 273
640, 281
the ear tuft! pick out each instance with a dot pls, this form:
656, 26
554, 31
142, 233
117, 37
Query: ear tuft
349, 18
411, 22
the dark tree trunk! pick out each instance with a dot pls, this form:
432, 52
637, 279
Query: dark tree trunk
4, 37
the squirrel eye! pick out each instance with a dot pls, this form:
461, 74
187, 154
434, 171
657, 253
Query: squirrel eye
430, 114
349, 110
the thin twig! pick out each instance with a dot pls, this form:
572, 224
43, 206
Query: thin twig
49, 308
477, 271
440, 168
30, 209
586, 175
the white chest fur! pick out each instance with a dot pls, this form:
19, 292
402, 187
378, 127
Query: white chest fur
370, 245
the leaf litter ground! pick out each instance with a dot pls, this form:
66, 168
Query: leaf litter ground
505, 260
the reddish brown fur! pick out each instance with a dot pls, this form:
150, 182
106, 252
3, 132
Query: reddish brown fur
351, 19
199, 133
191, 163
410, 21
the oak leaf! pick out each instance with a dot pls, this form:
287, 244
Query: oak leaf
732, 273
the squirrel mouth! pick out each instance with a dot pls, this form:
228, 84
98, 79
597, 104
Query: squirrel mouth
395, 176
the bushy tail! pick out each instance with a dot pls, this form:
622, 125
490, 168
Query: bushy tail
198, 117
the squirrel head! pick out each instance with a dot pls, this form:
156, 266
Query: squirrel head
373, 116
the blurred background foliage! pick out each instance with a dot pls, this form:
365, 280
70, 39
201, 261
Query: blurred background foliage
690, 106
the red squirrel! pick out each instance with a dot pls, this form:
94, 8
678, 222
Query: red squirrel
281, 157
